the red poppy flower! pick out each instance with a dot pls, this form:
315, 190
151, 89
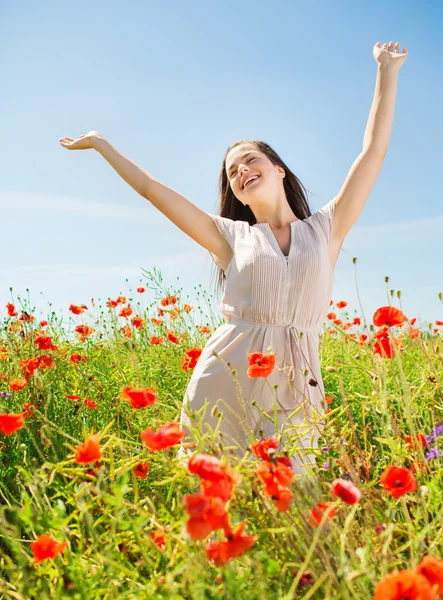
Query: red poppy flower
44, 342
274, 475
76, 309
77, 358
9, 423
89, 451
346, 490
90, 403
206, 467
222, 551
283, 499
261, 448
139, 397
404, 585
137, 322
11, 310
388, 316
261, 365
141, 470
416, 441
319, 510
158, 537
126, 312
168, 435
17, 384
432, 569
46, 547
222, 488
207, 514
398, 481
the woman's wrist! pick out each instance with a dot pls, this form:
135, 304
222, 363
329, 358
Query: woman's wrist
98, 142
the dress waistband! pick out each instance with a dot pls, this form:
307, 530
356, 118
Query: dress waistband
289, 329
295, 327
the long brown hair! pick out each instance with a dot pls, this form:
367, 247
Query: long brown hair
232, 208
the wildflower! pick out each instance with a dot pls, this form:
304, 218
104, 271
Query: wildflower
274, 475
306, 579
76, 309
319, 510
398, 481
90, 403
388, 316
261, 448
11, 309
435, 434
223, 488
260, 365
404, 585
158, 537
432, 569
207, 467
9, 423
44, 342
237, 544
283, 499
207, 514
168, 435
17, 384
5, 395
141, 470
46, 547
89, 451
433, 453
139, 397
137, 322
346, 490
84, 331
77, 358
416, 441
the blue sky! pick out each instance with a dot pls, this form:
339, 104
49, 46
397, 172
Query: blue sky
172, 86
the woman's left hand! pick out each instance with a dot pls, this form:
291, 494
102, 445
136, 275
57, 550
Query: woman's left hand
390, 55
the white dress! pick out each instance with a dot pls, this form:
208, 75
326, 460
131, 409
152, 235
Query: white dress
272, 303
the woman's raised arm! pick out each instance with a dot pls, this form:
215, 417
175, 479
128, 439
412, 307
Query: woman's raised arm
196, 223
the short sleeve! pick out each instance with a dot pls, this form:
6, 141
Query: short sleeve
324, 218
227, 227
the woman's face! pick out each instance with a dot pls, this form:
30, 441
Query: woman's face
245, 161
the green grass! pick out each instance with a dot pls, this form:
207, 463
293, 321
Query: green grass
107, 519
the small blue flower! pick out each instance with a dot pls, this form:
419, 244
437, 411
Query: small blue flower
434, 452
325, 449
326, 465
346, 476
5, 395
435, 434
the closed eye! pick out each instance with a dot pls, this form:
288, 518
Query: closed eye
253, 158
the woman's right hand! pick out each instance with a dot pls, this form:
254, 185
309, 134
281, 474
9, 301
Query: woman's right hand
83, 142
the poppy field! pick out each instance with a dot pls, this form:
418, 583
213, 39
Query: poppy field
95, 502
